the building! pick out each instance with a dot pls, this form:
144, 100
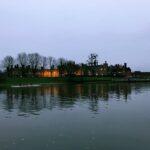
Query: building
47, 73
85, 70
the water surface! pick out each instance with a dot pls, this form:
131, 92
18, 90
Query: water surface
89, 116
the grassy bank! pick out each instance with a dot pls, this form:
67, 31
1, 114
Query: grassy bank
23, 81
20, 81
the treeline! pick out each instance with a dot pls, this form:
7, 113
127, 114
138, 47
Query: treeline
28, 65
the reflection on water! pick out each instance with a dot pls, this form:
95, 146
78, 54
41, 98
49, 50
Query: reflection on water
89, 116
32, 100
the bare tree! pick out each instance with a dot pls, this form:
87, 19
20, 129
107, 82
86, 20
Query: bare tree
71, 67
93, 63
61, 61
31, 60
8, 62
43, 62
37, 59
51, 62
93, 59
22, 59
54, 63
34, 60
61, 66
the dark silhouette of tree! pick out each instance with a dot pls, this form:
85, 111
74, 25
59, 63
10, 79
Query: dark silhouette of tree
93, 63
71, 68
85, 69
8, 64
28, 65
61, 66
43, 62
51, 62
92, 59
34, 62
22, 59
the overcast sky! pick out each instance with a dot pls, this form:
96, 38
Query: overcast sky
117, 30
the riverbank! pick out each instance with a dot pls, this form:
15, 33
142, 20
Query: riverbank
31, 81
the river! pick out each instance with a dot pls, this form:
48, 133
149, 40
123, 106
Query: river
89, 116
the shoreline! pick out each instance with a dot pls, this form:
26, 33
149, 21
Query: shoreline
45, 81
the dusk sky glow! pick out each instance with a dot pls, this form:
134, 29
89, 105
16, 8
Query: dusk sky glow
117, 30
